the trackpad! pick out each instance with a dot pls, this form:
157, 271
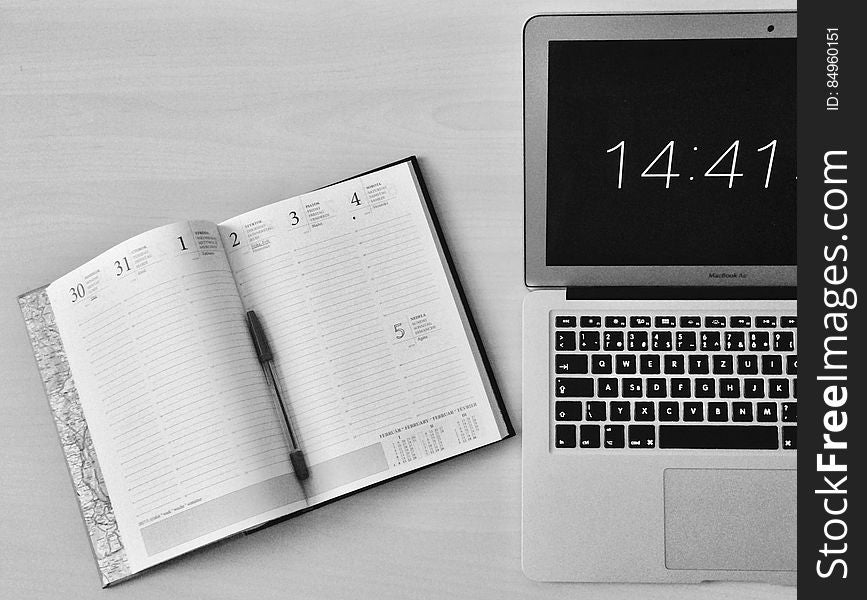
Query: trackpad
734, 519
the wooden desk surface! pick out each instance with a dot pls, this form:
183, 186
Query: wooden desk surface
116, 120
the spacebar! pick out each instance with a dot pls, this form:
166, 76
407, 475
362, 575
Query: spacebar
740, 437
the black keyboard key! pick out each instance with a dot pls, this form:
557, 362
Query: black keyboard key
734, 341
715, 322
784, 341
614, 436
699, 364
685, 341
748, 364
673, 364
669, 411
649, 364
615, 321
567, 410
792, 364
588, 340
564, 340
680, 387
772, 364
717, 412
625, 364
706, 437
595, 411
589, 436
665, 321
705, 388
632, 388
790, 412
639, 321
778, 388
760, 341
693, 411
636, 341
591, 322
710, 341
723, 364
601, 364
788, 321
565, 321
729, 388
573, 387
766, 322
766, 412
754, 388
660, 341
620, 411
644, 411
655, 387
570, 364
612, 341
740, 322
790, 438
564, 436
606, 387
690, 321
642, 436
742, 411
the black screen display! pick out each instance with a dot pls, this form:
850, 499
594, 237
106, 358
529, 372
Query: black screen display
671, 152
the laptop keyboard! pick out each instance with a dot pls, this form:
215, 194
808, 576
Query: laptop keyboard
701, 381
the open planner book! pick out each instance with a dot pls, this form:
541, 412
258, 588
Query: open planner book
166, 419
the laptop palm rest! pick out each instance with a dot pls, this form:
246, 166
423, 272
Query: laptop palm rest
730, 519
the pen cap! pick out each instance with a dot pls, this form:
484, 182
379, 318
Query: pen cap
263, 350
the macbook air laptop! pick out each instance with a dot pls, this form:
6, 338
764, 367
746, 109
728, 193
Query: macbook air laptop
660, 348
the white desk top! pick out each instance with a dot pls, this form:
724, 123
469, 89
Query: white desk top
116, 121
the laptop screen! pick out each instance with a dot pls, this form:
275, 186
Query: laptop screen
671, 152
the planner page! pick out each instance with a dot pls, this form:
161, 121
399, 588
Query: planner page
369, 344
176, 403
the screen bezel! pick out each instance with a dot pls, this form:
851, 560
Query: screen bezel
541, 29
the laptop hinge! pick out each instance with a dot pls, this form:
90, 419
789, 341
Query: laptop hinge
681, 293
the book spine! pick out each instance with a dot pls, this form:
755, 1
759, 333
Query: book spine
78, 450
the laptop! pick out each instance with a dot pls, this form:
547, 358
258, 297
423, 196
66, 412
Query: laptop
660, 341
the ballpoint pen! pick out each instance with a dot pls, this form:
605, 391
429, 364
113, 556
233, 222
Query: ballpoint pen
266, 359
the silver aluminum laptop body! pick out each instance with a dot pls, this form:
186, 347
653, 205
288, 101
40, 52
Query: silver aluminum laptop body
656, 515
